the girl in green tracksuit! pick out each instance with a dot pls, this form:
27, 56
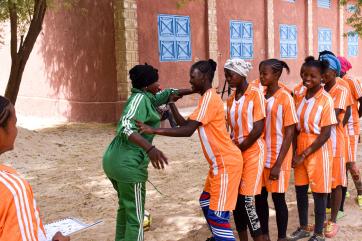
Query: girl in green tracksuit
126, 160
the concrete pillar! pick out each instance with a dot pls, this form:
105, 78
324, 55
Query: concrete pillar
270, 30
310, 35
126, 43
341, 29
212, 32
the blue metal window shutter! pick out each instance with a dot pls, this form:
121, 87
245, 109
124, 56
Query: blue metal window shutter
288, 41
174, 38
183, 44
352, 44
241, 39
324, 3
324, 39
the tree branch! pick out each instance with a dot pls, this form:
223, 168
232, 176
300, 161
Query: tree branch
14, 29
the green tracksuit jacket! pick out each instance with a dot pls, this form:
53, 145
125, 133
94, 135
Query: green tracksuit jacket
125, 161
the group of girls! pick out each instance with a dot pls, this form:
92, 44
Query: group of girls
266, 120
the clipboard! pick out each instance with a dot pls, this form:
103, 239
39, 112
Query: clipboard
67, 226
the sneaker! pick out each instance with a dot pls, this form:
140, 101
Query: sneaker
299, 234
348, 195
331, 230
210, 239
328, 210
340, 215
359, 201
316, 237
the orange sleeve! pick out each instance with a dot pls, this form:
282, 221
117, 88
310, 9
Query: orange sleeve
328, 116
259, 106
205, 111
340, 100
356, 88
289, 112
349, 100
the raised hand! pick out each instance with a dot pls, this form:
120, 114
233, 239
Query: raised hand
174, 98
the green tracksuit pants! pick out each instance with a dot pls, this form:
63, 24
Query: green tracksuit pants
131, 200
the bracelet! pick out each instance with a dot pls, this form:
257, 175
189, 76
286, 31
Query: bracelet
150, 149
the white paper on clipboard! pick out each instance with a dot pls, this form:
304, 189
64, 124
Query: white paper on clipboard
66, 226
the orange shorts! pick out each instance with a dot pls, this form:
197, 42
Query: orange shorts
279, 186
316, 169
223, 189
339, 177
352, 148
254, 159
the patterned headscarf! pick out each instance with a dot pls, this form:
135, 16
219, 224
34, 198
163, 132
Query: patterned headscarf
333, 62
239, 66
345, 64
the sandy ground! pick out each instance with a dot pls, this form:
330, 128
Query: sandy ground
63, 165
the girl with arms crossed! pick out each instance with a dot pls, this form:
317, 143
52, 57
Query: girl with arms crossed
246, 115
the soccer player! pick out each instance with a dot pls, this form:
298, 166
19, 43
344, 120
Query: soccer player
221, 187
281, 119
19, 215
246, 116
314, 155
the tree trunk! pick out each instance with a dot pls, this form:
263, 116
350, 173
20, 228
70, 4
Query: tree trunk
20, 58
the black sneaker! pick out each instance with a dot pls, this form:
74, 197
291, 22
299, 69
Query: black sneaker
299, 234
210, 239
316, 237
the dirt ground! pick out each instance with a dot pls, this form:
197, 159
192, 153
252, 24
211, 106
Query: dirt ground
63, 165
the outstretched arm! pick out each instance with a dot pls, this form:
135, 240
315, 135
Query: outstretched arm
183, 131
180, 120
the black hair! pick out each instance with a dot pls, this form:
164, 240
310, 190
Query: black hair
143, 75
310, 61
324, 52
276, 65
207, 67
4, 111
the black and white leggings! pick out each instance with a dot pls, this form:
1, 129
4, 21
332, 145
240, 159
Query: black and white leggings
245, 216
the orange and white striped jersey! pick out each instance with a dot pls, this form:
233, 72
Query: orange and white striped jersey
339, 95
299, 92
219, 150
315, 113
349, 99
280, 113
355, 87
263, 88
19, 216
242, 113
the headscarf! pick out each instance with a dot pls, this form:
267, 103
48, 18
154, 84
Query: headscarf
143, 75
345, 64
333, 62
239, 66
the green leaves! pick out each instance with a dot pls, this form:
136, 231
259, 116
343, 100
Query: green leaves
355, 17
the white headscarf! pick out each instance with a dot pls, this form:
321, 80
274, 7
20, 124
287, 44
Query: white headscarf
239, 66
